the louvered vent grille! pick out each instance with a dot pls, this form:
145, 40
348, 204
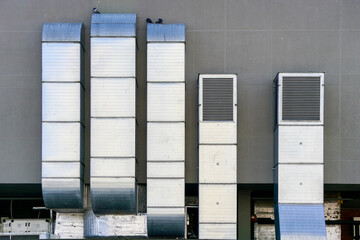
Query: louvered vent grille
301, 98
218, 100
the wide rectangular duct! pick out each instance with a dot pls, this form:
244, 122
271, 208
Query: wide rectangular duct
166, 130
62, 115
217, 156
299, 156
113, 113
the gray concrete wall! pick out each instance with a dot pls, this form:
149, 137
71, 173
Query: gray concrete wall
255, 39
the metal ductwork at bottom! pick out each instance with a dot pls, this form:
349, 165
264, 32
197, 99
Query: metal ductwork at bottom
300, 221
166, 222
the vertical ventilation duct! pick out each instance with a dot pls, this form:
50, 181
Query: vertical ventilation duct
113, 113
62, 122
299, 157
217, 156
166, 130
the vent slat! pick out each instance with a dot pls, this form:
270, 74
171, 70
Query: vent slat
218, 99
301, 98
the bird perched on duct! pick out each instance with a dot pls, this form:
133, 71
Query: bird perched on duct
95, 11
159, 21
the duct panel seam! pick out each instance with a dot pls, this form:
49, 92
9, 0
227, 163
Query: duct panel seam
62, 170
113, 167
218, 230
217, 132
165, 192
166, 170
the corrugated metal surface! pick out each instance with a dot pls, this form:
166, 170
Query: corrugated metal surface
166, 102
300, 144
113, 137
111, 195
217, 203
61, 62
217, 231
165, 62
165, 192
113, 97
113, 115
217, 163
61, 141
217, 133
301, 222
218, 100
62, 102
300, 183
166, 222
165, 169
166, 130
301, 98
113, 57
165, 141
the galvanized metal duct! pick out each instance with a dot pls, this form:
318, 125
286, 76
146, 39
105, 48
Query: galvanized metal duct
217, 156
113, 113
166, 130
62, 115
299, 156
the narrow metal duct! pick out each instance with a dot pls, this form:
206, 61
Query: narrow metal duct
113, 113
166, 130
299, 156
62, 118
217, 156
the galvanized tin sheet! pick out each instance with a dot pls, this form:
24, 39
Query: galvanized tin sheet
299, 183
217, 231
113, 18
165, 192
61, 62
166, 222
113, 137
63, 193
166, 169
217, 133
300, 144
165, 141
217, 164
166, 62
63, 32
113, 97
217, 203
166, 102
300, 222
113, 57
62, 141
61, 102
113, 30
166, 32
62, 170
112, 167
113, 195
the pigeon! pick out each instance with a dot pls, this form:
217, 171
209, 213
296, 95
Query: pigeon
148, 20
159, 21
95, 11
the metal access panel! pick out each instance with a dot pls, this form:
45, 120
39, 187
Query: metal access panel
165, 193
166, 102
62, 102
217, 231
166, 222
113, 97
113, 137
299, 144
300, 222
299, 183
300, 98
113, 57
166, 141
217, 163
217, 203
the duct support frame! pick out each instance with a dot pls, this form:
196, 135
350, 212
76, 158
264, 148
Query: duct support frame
166, 130
299, 156
62, 116
217, 156
113, 114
